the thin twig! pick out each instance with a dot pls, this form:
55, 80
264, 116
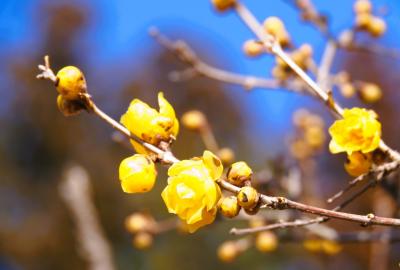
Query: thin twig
377, 174
299, 222
198, 67
323, 77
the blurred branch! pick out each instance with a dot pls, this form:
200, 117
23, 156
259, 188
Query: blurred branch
75, 190
375, 175
354, 237
323, 75
197, 67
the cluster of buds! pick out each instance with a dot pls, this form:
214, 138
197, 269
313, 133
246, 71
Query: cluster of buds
142, 227
71, 87
366, 21
301, 56
368, 92
253, 48
276, 28
325, 246
309, 137
239, 174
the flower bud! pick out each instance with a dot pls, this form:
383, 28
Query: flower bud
253, 48
363, 20
226, 155
358, 163
137, 174
306, 50
266, 241
143, 240
229, 206
239, 173
370, 93
313, 245
347, 90
362, 6
331, 247
280, 73
228, 251
248, 197
377, 27
223, 5
314, 136
69, 107
252, 211
71, 83
275, 27
138, 222
194, 120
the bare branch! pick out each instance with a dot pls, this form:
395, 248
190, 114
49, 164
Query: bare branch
198, 67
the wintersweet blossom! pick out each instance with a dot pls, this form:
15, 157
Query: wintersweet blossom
192, 192
150, 125
359, 130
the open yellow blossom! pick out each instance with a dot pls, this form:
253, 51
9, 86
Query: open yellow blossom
192, 192
150, 125
137, 174
359, 130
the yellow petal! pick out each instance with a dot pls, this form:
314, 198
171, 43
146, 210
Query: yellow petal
213, 164
334, 148
208, 217
165, 107
183, 165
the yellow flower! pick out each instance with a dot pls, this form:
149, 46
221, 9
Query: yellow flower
192, 192
357, 131
150, 125
137, 174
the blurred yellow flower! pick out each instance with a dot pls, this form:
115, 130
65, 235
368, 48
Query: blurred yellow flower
192, 192
357, 131
329, 247
150, 125
137, 174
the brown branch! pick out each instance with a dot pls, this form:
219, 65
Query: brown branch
299, 222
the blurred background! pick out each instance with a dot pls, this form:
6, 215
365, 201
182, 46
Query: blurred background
109, 41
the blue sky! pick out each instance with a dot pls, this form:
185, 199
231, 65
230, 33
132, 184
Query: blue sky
119, 28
